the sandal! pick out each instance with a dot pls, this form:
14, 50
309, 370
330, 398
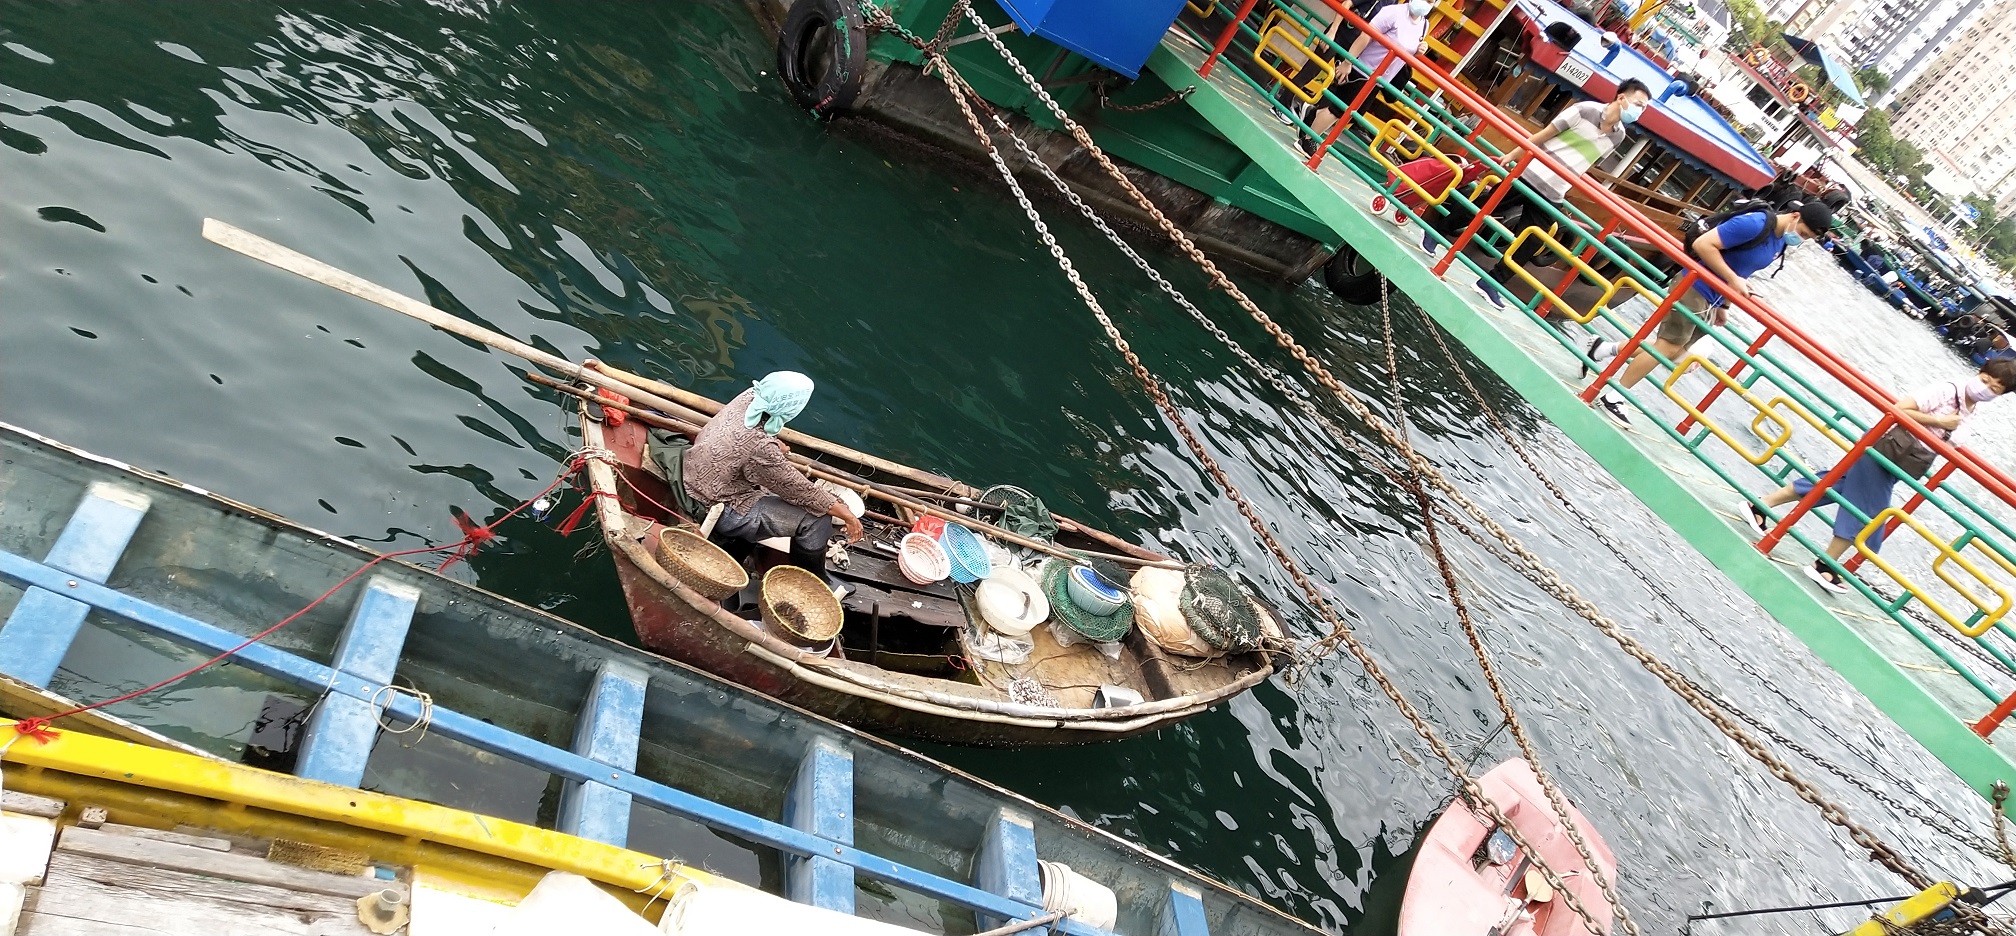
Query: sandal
1825, 578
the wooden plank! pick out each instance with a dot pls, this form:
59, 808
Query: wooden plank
162, 835
119, 898
934, 611
68, 869
28, 804
234, 867
821, 801
607, 733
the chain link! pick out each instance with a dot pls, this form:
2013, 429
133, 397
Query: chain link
1878, 850
1520, 559
1512, 722
1950, 825
1164, 101
1340, 630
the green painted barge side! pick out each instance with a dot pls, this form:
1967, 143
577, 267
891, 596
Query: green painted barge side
1223, 141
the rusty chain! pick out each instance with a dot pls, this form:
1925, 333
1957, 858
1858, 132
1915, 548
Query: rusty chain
1164, 101
1530, 565
1878, 850
1461, 607
1946, 822
1472, 791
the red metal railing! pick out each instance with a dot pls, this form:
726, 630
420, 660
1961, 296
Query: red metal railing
1626, 216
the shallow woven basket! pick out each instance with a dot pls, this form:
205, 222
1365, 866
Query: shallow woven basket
799, 603
703, 566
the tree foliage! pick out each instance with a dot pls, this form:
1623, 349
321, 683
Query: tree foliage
1872, 81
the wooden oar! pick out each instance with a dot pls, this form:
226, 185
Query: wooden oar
866, 487
293, 261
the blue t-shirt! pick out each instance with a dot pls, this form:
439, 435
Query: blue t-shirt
1736, 231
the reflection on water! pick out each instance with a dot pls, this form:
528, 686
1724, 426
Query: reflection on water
624, 181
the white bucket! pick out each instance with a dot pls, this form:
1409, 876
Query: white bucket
1081, 898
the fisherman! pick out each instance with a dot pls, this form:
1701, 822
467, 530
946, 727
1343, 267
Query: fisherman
1734, 249
1579, 137
1942, 408
738, 463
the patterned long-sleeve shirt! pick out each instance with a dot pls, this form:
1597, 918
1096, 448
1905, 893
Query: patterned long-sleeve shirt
735, 465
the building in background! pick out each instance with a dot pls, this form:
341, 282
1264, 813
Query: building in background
1900, 38
1962, 107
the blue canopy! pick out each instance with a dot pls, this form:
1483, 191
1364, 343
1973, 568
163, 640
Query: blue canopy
1837, 74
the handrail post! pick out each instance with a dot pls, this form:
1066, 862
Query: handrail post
1225, 38
1344, 119
1820, 488
1637, 338
1588, 253
1735, 370
1917, 500
1498, 193
1993, 720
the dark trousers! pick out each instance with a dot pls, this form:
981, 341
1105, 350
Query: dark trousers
774, 516
1517, 211
1375, 108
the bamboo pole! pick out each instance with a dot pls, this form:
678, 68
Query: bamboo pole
866, 487
942, 485
686, 402
710, 407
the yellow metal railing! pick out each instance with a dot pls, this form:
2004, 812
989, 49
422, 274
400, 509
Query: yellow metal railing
1772, 443
1974, 625
1610, 287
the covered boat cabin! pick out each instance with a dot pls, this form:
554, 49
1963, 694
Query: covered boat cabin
1538, 57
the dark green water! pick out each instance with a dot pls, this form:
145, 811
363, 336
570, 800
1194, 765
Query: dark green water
624, 181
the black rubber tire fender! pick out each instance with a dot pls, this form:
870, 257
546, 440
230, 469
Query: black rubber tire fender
822, 54
1353, 278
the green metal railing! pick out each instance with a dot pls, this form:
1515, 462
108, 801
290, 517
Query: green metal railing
1776, 361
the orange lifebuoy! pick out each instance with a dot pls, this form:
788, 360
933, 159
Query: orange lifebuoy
1758, 56
1798, 93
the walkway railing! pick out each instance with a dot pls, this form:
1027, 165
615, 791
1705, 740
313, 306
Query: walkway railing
1967, 583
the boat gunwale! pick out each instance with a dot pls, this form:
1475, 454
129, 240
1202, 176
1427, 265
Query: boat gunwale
803, 665
528, 618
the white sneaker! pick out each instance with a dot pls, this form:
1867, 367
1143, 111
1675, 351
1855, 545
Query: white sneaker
1614, 407
1825, 578
1754, 518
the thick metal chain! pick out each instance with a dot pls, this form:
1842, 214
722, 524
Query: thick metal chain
1506, 711
1831, 811
1163, 101
1340, 630
1948, 824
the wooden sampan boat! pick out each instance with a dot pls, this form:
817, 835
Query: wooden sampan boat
906, 661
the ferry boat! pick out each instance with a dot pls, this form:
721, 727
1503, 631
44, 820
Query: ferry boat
402, 688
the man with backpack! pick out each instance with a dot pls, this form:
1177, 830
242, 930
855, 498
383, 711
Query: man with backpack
1579, 137
1733, 245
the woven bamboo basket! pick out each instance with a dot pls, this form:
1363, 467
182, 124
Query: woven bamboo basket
797, 604
703, 566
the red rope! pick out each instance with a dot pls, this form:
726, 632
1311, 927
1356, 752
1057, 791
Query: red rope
38, 728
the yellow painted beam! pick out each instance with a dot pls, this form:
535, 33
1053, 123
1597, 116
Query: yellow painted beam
84, 769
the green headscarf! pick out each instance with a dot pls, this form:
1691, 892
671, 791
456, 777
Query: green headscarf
781, 396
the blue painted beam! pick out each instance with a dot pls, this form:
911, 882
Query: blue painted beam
1007, 862
264, 658
821, 802
338, 740
45, 621
607, 733
1183, 914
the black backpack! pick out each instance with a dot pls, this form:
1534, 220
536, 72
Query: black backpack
1692, 229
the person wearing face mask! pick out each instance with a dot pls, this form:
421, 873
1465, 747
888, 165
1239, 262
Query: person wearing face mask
1404, 23
1735, 248
1579, 137
1943, 408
